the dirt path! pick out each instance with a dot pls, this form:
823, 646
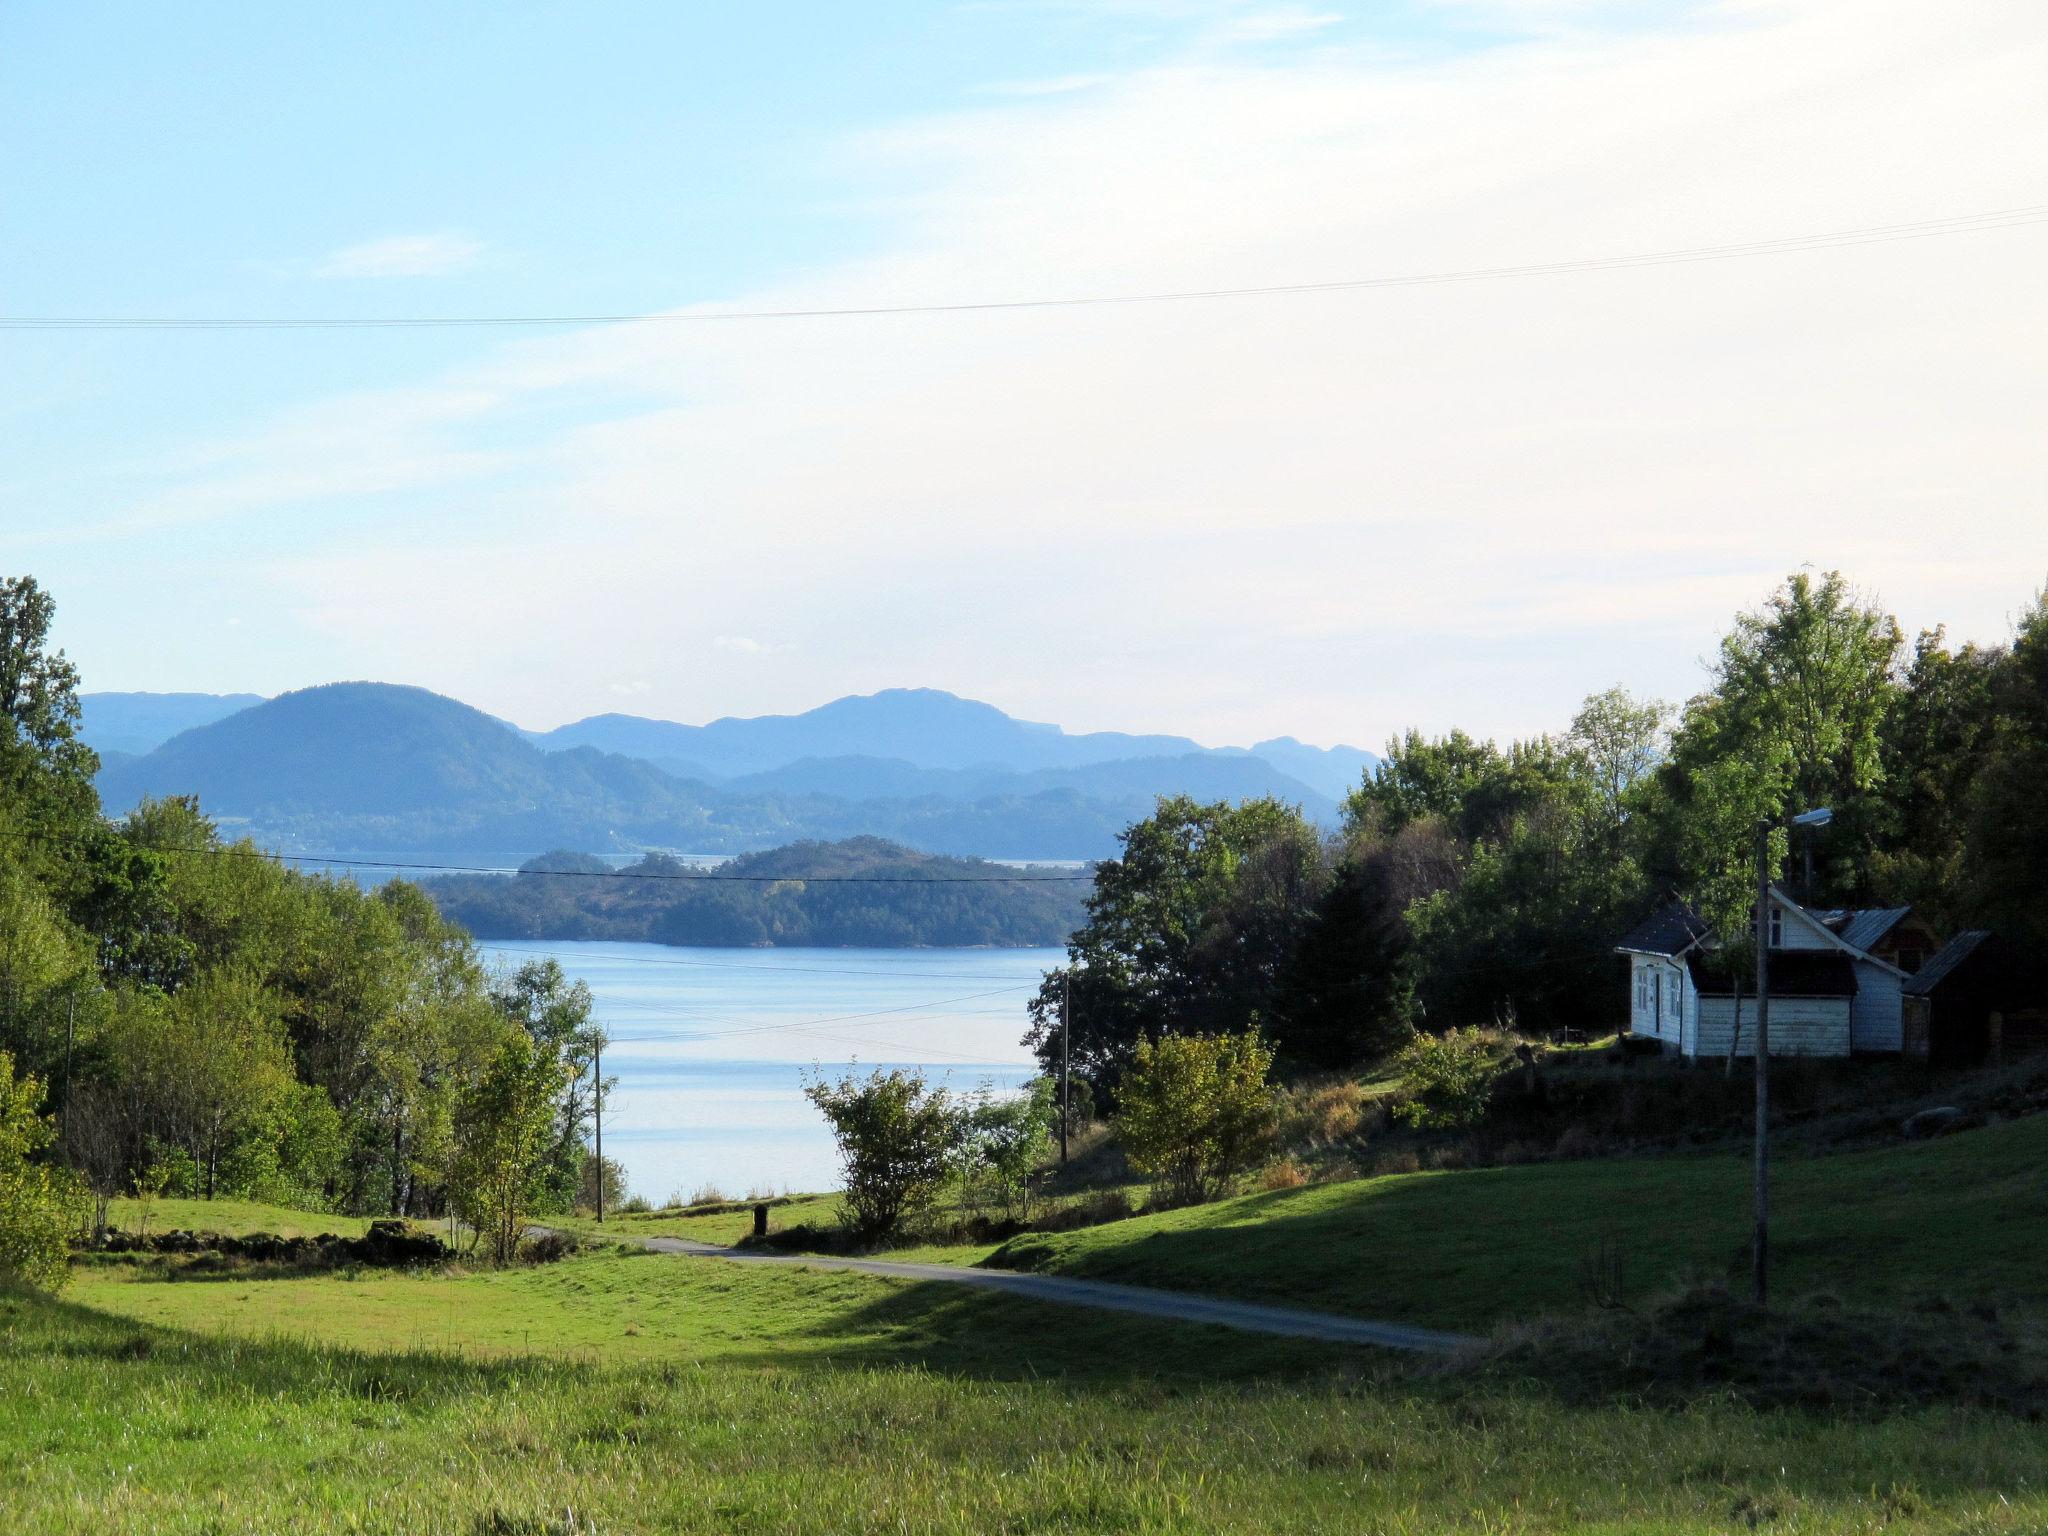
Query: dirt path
1178, 1306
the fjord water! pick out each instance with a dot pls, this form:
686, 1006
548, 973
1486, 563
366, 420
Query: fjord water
711, 1047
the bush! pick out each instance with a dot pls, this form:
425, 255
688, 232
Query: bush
1321, 1116
1194, 1111
39, 1205
894, 1134
1285, 1173
1446, 1080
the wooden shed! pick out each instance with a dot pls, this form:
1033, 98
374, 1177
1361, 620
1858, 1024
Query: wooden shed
1977, 998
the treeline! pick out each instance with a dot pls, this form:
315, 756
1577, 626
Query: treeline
1475, 883
862, 891
203, 1021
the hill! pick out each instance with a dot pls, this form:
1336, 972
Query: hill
354, 768
135, 723
860, 892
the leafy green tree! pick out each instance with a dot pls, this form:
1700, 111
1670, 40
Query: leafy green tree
44, 768
1620, 739
1011, 1137
39, 1204
1191, 928
555, 1012
894, 1134
503, 1124
1195, 1111
2006, 837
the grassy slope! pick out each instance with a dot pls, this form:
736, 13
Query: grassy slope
808, 1402
1967, 1214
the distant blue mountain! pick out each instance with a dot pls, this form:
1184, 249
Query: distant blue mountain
923, 728
136, 723
373, 766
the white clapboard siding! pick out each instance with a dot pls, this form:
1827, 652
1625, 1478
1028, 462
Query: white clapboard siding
1800, 1026
1876, 1018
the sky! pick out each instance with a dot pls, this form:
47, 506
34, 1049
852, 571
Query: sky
1333, 514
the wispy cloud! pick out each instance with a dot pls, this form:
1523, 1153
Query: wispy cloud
1328, 515
402, 256
746, 645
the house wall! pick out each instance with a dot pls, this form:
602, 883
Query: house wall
1658, 1004
1875, 1014
1800, 1026
1795, 932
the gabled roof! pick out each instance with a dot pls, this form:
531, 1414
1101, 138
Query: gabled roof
1792, 973
1944, 961
1672, 929
1818, 922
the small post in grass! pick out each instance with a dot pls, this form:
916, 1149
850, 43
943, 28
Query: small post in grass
761, 1218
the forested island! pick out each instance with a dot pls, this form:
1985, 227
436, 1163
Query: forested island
863, 891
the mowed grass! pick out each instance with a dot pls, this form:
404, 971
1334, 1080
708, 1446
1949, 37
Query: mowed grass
611, 1308
235, 1218
796, 1401
1965, 1216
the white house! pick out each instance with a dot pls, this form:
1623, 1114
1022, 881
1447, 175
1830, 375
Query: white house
1833, 975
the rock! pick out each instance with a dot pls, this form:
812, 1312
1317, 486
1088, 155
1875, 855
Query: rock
1932, 1122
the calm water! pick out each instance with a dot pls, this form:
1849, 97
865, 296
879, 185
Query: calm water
711, 1046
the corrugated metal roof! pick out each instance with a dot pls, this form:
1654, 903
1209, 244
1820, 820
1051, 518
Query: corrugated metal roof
1671, 930
1944, 961
1865, 928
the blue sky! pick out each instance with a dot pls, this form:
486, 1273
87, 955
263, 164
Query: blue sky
1331, 516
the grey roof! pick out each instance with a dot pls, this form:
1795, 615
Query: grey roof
1671, 930
1944, 960
1862, 929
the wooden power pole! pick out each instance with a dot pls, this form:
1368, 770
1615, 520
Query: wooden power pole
597, 1078
1760, 1242
1066, 1014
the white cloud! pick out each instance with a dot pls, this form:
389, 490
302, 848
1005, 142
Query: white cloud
629, 688
402, 256
1330, 515
746, 645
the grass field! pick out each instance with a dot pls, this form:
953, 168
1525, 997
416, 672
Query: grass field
1966, 1215
235, 1218
800, 1401
718, 1225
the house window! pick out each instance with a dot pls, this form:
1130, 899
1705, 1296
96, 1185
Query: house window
1672, 1002
1777, 927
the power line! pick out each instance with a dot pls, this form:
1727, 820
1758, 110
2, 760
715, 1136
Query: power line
325, 860
1877, 234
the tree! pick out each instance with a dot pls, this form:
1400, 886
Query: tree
1802, 688
1446, 1080
1620, 739
1191, 929
502, 1134
39, 1204
1194, 1111
1008, 1139
894, 1134
2007, 833
42, 761
1348, 994
555, 1013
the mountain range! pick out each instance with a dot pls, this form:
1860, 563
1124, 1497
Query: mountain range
361, 767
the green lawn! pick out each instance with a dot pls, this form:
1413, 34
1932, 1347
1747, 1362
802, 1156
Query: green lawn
1966, 1215
807, 1402
236, 1218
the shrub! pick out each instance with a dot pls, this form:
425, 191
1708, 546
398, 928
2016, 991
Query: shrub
635, 1205
893, 1133
707, 1194
1285, 1173
39, 1204
1446, 1080
1194, 1111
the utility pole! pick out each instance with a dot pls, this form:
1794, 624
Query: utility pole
1760, 1242
597, 1082
70, 1023
1066, 1014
